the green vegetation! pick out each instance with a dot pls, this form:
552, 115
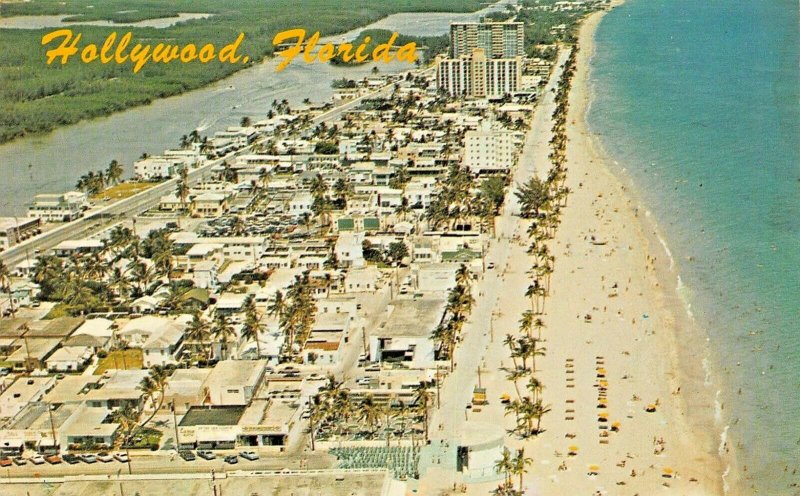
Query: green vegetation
130, 359
35, 97
541, 18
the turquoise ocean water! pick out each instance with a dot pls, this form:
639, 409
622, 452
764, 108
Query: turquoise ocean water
699, 101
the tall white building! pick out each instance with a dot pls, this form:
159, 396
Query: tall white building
487, 150
500, 40
476, 76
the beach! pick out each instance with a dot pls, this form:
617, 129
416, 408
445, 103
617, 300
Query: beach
614, 322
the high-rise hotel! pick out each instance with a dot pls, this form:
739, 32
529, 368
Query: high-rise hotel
499, 40
485, 60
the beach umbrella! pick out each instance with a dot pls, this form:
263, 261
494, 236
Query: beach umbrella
650, 408
615, 426
667, 472
573, 450
594, 469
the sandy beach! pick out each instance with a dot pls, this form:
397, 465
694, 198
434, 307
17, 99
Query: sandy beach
638, 344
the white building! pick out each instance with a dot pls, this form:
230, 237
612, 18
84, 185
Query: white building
58, 207
158, 167
234, 382
477, 76
487, 150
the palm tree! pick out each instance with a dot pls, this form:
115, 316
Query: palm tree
162, 254
463, 276
141, 273
5, 285
119, 283
526, 322
404, 208
534, 352
539, 410
422, 403
153, 386
511, 342
370, 412
539, 325
504, 465
535, 386
182, 191
127, 418
48, 273
198, 332
251, 327
519, 465
114, 172
223, 331
277, 307
343, 190
317, 413
514, 376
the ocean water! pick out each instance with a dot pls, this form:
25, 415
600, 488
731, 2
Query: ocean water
699, 103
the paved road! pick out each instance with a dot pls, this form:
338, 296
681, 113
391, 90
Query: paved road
100, 219
498, 296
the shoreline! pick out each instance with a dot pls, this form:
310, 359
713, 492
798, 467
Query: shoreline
696, 410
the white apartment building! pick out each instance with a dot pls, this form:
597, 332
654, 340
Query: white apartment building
477, 76
58, 207
487, 150
158, 167
498, 39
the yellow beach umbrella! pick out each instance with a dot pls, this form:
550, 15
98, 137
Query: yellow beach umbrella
615, 426
593, 469
650, 408
667, 472
573, 449
603, 415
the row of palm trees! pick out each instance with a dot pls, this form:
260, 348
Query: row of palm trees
295, 311
541, 201
333, 408
459, 304
512, 466
94, 182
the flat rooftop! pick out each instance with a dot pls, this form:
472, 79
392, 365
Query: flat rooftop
412, 317
215, 415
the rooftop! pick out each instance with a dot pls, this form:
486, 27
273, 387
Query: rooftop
212, 415
412, 317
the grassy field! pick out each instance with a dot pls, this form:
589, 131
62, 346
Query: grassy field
35, 97
122, 190
121, 360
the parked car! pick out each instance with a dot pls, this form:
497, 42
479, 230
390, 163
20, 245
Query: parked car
249, 455
53, 459
5, 461
206, 454
232, 459
37, 459
88, 458
105, 457
20, 461
71, 459
121, 457
187, 455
